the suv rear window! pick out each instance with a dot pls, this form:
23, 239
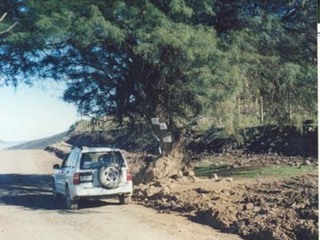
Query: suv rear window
94, 160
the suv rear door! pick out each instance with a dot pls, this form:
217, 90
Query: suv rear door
98, 160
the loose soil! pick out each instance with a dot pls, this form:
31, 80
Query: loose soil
261, 208
265, 210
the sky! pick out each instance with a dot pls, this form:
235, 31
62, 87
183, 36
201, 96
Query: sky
29, 113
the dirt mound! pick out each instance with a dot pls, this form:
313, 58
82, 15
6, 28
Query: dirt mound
91, 139
287, 140
139, 139
282, 140
60, 149
280, 210
286, 209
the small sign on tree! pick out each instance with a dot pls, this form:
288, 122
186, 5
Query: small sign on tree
167, 139
155, 121
163, 126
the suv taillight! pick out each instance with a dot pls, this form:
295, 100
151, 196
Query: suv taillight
129, 176
76, 179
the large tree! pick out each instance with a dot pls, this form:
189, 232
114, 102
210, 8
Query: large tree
167, 62
128, 59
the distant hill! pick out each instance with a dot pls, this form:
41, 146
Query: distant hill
40, 143
6, 145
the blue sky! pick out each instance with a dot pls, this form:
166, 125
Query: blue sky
29, 113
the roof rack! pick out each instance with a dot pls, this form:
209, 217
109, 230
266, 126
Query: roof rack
76, 146
98, 145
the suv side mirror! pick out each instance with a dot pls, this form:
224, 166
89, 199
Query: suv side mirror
56, 166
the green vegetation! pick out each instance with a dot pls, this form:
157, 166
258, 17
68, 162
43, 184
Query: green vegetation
226, 64
234, 63
255, 172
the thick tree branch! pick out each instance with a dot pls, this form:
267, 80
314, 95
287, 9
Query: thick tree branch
10, 27
3, 17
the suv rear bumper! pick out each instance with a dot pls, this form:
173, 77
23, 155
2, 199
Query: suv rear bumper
99, 192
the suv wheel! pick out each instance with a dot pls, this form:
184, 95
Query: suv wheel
69, 203
125, 199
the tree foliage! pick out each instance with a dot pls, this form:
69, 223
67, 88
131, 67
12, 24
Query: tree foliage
177, 60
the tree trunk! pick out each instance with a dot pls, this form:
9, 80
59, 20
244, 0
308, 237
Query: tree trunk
173, 158
171, 163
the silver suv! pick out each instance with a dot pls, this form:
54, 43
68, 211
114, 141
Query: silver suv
92, 173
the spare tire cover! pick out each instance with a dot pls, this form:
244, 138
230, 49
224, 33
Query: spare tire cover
110, 176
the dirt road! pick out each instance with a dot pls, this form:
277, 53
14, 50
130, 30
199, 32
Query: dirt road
28, 212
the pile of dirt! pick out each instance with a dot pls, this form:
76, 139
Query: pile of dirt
60, 149
280, 210
139, 139
272, 210
268, 139
91, 139
287, 140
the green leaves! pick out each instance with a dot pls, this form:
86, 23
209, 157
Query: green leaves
180, 59
180, 8
94, 28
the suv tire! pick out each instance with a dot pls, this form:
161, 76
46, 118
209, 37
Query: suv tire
110, 176
125, 199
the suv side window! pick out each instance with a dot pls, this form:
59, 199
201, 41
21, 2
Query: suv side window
74, 159
70, 159
64, 162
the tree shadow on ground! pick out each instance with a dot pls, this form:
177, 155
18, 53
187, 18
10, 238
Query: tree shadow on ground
26, 190
34, 191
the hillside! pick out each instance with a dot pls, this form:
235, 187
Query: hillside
6, 145
40, 143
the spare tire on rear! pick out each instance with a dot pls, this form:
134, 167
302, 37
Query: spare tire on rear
110, 176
